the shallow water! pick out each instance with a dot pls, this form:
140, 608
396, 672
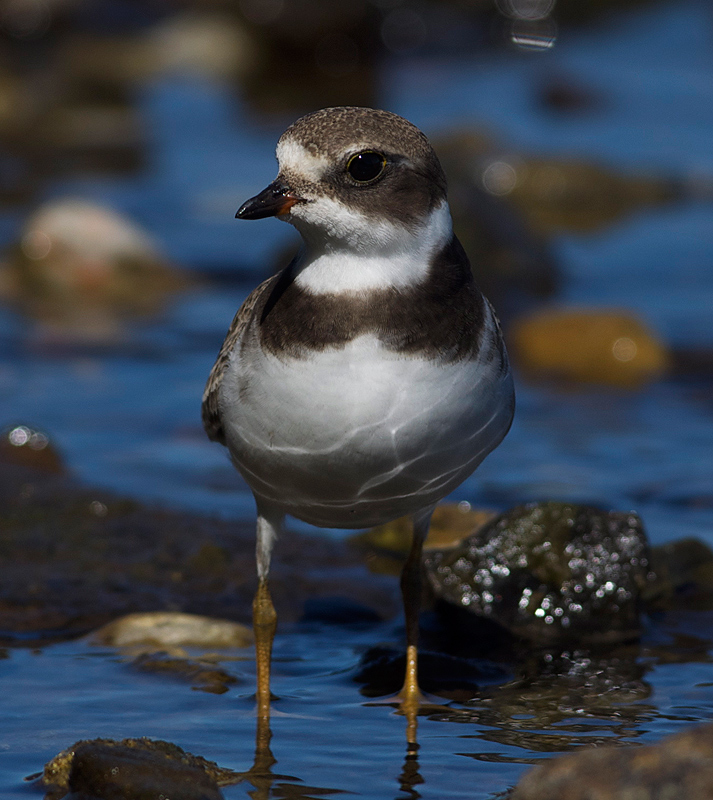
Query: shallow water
128, 418
325, 733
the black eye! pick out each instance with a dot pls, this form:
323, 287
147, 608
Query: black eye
366, 166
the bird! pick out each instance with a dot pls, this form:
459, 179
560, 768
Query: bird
369, 378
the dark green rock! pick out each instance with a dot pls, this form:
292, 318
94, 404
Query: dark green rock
129, 774
134, 769
550, 572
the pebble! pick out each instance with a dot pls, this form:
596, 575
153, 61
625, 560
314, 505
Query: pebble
172, 629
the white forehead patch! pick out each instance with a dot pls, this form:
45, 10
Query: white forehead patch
295, 159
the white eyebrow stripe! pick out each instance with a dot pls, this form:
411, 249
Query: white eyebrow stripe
298, 160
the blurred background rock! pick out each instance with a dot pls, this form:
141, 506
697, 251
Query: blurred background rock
75, 76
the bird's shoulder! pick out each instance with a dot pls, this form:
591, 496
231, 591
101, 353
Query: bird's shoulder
210, 410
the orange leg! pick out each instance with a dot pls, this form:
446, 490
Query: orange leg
410, 694
269, 520
264, 626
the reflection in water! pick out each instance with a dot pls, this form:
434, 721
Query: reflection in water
268, 784
410, 776
263, 779
561, 702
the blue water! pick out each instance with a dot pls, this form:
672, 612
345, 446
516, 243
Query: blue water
325, 733
128, 419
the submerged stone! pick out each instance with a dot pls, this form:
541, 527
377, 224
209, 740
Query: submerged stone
549, 572
588, 346
133, 769
74, 558
680, 766
200, 673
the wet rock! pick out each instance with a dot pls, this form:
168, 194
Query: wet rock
133, 769
66, 122
24, 446
85, 135
17, 99
550, 572
84, 266
211, 45
678, 768
696, 361
210, 559
684, 577
200, 673
172, 629
13, 102
588, 346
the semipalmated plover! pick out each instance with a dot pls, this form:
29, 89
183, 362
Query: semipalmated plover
369, 378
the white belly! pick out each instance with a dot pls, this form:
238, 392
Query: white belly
358, 436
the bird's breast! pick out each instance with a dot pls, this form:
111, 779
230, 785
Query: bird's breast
352, 435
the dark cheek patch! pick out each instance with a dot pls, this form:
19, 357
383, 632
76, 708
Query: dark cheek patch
401, 197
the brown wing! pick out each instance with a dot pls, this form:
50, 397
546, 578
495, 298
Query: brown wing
210, 410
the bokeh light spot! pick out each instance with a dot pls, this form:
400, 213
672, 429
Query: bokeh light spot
499, 178
624, 349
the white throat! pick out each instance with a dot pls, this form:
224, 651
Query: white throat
346, 251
